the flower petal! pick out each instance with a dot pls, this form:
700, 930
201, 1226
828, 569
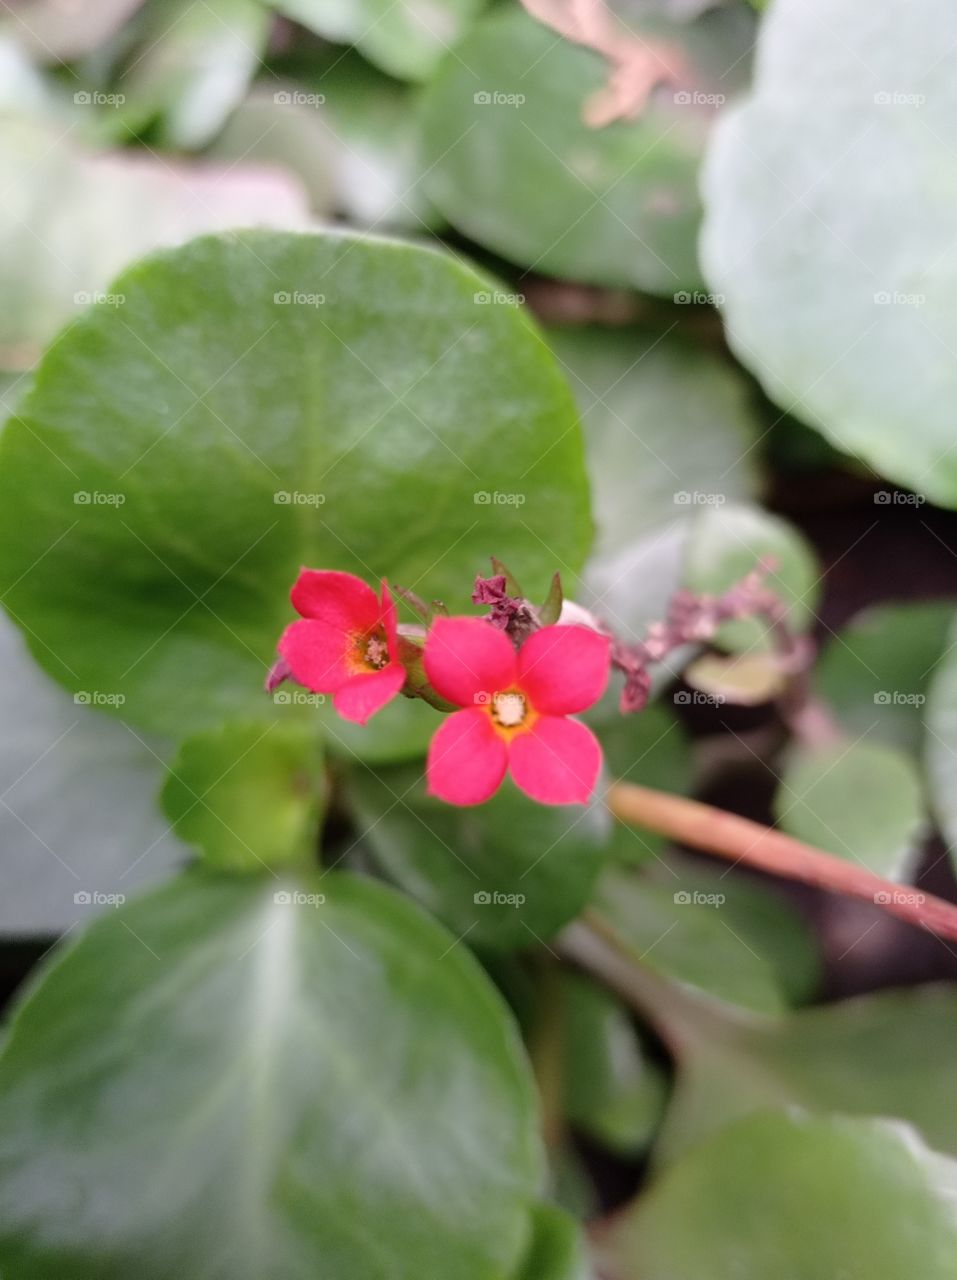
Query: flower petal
467, 759
556, 762
564, 669
389, 620
467, 657
341, 599
365, 694
317, 654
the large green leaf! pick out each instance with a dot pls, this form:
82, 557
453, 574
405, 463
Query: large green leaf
879, 1054
515, 166
874, 673
508, 873
796, 1197
941, 740
79, 825
248, 794
669, 430
831, 204
859, 800
230, 1080
258, 402
407, 38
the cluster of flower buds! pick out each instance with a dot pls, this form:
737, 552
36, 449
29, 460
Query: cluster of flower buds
511, 682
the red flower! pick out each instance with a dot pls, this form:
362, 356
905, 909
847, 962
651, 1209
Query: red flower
346, 643
516, 707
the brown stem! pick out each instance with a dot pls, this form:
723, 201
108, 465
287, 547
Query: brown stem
739, 840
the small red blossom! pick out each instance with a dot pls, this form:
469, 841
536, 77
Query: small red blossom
346, 643
516, 707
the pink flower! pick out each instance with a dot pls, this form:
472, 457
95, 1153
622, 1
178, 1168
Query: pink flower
346, 643
516, 708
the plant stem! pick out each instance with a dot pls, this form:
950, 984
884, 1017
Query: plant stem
726, 835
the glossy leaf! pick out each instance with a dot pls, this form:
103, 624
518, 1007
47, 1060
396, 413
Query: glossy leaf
874, 674
247, 795
345, 409
796, 1196
829, 228
508, 873
515, 166
308, 1060
860, 800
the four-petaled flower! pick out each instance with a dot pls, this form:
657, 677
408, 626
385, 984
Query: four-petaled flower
346, 643
516, 705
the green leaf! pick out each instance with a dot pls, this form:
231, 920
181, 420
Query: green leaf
720, 933
81, 215
668, 427
247, 794
557, 1251
190, 65
612, 1090
874, 674
842, 149
941, 748
79, 824
407, 40
344, 407
859, 800
517, 169
401, 731
727, 542
303, 1068
795, 1196
508, 873
874, 1055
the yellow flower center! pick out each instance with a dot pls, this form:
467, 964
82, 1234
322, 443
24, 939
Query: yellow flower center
511, 712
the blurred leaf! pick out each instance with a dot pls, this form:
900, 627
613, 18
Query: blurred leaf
858, 800
744, 680
941, 750
843, 149
795, 1196
874, 674
79, 823
358, 431
612, 1091
79, 217
727, 542
406, 38
879, 1054
58, 30
516, 168
668, 427
401, 731
727, 936
508, 873
247, 795
557, 1251
301, 1069
190, 64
